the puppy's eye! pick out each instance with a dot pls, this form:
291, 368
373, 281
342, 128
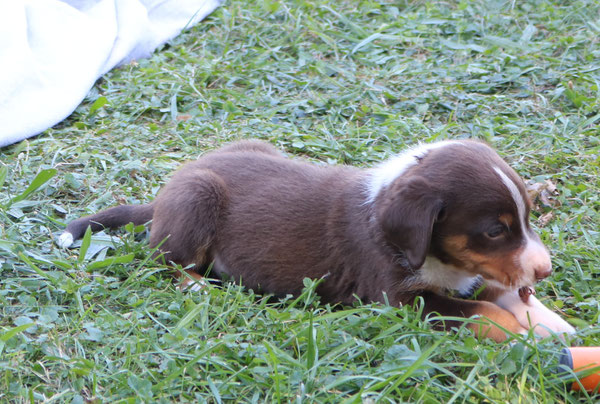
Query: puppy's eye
495, 232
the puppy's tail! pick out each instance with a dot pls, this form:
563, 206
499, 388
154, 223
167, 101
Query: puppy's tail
107, 219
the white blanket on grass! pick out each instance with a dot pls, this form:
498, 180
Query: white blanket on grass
53, 51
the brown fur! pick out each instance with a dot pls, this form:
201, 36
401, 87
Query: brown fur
270, 222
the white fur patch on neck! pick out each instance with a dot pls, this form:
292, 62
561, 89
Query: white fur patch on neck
436, 273
386, 172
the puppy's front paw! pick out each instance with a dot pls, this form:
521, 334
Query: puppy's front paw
544, 320
194, 283
534, 314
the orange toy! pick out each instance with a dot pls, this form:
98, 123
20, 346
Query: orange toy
581, 359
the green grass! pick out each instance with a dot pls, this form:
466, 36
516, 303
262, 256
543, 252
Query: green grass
337, 82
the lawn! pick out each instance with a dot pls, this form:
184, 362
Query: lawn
345, 82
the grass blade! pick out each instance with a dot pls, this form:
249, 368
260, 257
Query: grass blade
37, 270
124, 259
85, 244
311, 350
3, 174
188, 318
5, 336
39, 180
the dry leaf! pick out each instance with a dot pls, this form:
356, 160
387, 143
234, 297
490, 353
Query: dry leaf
544, 219
545, 192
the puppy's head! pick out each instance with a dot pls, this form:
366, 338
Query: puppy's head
462, 204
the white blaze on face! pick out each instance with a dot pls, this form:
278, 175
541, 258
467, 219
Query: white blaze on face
534, 256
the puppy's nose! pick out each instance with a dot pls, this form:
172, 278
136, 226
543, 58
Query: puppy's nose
542, 272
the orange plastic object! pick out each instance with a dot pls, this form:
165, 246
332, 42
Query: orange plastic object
580, 359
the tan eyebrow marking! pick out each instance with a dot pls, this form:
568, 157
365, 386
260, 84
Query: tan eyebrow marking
506, 219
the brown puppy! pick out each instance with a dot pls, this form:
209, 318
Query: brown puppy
439, 217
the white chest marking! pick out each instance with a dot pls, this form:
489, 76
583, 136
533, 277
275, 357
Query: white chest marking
435, 273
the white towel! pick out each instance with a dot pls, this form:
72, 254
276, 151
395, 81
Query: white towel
52, 52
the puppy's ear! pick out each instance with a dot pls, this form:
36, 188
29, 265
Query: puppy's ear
406, 212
